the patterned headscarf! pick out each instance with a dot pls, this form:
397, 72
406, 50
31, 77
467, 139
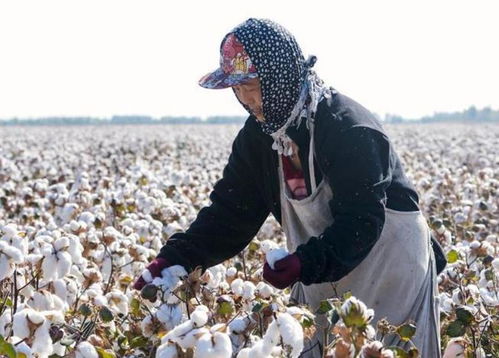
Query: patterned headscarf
290, 89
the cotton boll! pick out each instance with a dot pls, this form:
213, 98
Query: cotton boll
271, 337
49, 267
147, 326
75, 249
177, 271
61, 244
54, 316
13, 253
190, 338
63, 263
213, 346
267, 245
42, 343
5, 319
264, 290
231, 272
248, 290
291, 332
168, 350
275, 255
86, 350
118, 302
178, 331
237, 287
169, 315
34, 317
200, 316
495, 264
455, 348
24, 349
20, 325
6, 269
239, 325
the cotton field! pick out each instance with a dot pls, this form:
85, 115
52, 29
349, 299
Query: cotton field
84, 209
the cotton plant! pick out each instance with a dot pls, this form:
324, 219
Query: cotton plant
111, 199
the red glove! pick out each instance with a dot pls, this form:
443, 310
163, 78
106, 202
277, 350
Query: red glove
155, 267
287, 271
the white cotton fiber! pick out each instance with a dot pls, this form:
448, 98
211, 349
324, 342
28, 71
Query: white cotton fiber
63, 263
237, 287
291, 332
275, 255
49, 267
231, 272
6, 268
217, 345
168, 350
20, 325
25, 349
14, 253
86, 350
264, 290
248, 290
200, 316
5, 319
169, 315
42, 343
239, 325
34, 316
267, 245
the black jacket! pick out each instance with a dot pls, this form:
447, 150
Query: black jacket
353, 154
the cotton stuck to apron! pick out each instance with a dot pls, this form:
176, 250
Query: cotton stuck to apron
397, 278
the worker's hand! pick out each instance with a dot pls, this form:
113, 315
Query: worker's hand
287, 271
154, 268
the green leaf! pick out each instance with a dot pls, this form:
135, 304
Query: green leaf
399, 352
464, 315
489, 275
307, 322
135, 307
105, 314
253, 246
104, 354
456, 329
406, 331
452, 256
324, 307
21, 355
347, 295
258, 307
7, 349
139, 342
225, 308
85, 309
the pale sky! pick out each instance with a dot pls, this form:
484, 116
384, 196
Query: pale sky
105, 57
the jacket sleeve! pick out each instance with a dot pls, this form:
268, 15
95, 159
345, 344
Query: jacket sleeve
359, 172
224, 228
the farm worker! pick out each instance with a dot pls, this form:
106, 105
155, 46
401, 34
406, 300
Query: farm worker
325, 168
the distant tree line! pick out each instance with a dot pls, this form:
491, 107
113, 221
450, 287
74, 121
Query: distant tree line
472, 114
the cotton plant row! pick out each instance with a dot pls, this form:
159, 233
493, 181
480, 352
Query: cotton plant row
456, 172
82, 212
220, 314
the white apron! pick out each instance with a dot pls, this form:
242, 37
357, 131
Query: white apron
397, 279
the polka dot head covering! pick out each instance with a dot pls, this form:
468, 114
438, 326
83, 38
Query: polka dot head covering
279, 63
290, 89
